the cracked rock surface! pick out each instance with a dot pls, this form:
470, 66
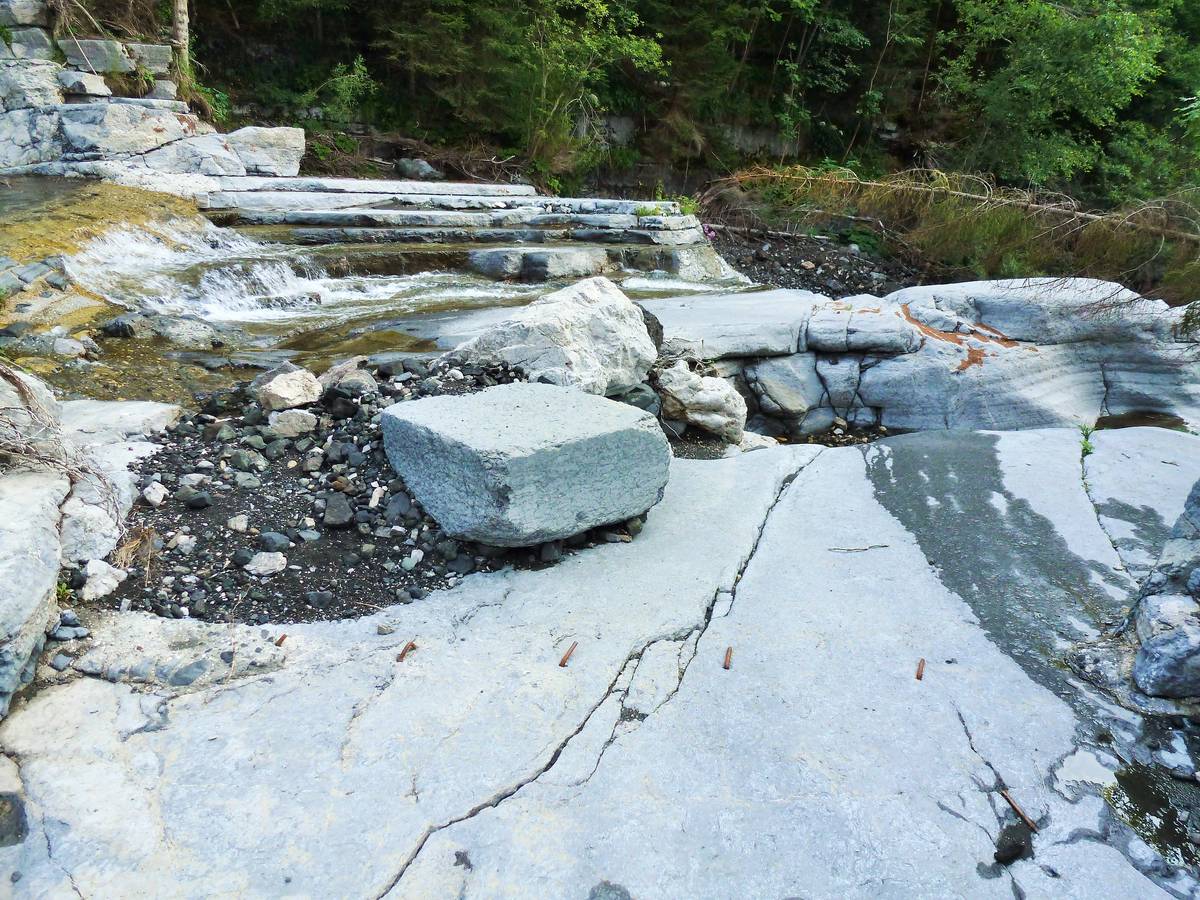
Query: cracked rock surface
814, 765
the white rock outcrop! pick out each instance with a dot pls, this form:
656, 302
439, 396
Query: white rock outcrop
268, 151
588, 336
1025, 353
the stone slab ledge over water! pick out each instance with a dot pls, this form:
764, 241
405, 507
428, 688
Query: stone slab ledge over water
733, 671
523, 464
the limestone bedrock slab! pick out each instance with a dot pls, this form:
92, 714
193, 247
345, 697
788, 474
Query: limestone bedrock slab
522, 464
1138, 479
752, 323
326, 770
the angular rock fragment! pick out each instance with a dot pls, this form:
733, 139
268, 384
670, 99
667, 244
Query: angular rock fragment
523, 464
285, 387
705, 401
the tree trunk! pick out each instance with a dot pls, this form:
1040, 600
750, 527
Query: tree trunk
181, 38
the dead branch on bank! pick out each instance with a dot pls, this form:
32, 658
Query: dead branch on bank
967, 226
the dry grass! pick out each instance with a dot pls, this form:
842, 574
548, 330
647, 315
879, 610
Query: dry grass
142, 547
965, 225
31, 439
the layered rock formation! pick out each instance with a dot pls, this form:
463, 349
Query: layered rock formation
67, 118
1003, 354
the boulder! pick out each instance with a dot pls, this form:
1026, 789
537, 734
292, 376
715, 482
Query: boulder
787, 387
291, 423
1046, 310
1168, 665
589, 336
27, 84
24, 12
28, 137
285, 387
539, 264
31, 412
522, 464
417, 170
268, 151
164, 89
153, 58
29, 44
707, 402
102, 130
98, 56
83, 83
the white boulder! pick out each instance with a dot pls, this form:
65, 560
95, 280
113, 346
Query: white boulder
268, 151
29, 83
705, 401
285, 387
290, 423
102, 579
589, 336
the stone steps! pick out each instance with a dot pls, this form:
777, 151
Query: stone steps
531, 216
308, 235
433, 197
235, 183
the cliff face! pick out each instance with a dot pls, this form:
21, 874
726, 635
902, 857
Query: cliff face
61, 110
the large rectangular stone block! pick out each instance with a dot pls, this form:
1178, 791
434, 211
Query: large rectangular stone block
522, 464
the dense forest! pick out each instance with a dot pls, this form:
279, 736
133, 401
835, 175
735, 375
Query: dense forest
1093, 97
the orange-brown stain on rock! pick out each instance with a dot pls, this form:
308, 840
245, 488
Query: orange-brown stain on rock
975, 357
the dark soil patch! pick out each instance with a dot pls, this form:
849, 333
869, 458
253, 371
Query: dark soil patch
353, 538
823, 266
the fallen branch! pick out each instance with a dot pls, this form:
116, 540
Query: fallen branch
562, 663
1017, 809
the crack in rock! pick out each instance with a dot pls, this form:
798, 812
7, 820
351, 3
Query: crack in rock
633, 658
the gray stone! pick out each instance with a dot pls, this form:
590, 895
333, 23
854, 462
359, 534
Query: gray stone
417, 169
523, 464
1158, 614
292, 423
531, 264
1047, 310
589, 336
30, 44
97, 56
83, 83
153, 58
29, 561
338, 511
164, 89
643, 397
753, 323
24, 12
268, 151
28, 84
1168, 665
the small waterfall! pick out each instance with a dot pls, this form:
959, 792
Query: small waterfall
191, 266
